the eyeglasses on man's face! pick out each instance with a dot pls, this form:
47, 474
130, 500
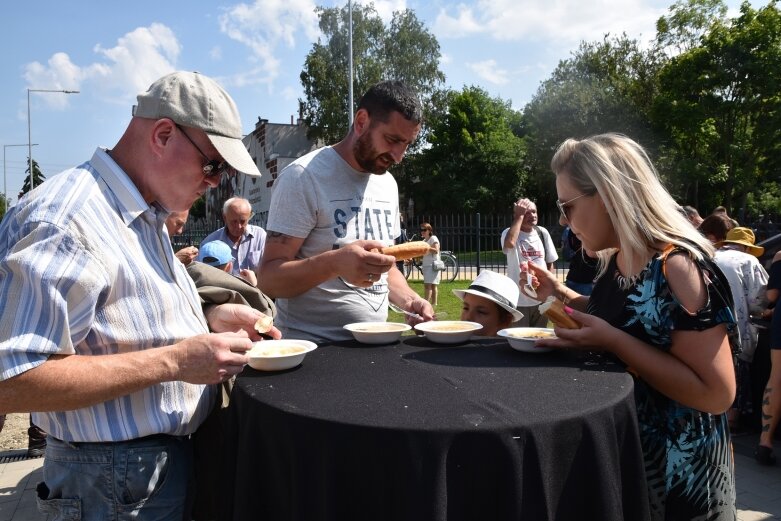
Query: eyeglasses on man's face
565, 207
212, 168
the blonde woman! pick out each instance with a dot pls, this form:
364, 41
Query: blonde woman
430, 275
662, 307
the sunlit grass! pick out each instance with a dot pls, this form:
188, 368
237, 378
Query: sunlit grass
447, 302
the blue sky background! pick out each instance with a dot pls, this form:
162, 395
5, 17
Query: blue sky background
111, 51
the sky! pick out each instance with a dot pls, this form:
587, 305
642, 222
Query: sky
111, 51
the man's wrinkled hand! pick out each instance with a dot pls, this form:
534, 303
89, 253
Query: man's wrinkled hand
237, 318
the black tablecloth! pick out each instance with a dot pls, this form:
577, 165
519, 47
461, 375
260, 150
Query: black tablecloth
416, 431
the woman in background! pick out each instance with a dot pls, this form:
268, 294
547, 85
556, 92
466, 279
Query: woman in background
430, 275
662, 307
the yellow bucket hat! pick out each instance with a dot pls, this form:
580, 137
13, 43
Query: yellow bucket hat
744, 237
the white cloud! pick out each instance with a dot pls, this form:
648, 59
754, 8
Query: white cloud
261, 26
139, 58
488, 71
216, 53
386, 8
558, 21
464, 24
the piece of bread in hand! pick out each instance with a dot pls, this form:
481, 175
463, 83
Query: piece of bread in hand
553, 308
407, 250
264, 324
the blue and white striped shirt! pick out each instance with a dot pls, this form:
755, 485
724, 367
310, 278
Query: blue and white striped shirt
86, 268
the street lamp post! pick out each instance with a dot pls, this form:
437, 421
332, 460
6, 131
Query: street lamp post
5, 180
350, 67
29, 129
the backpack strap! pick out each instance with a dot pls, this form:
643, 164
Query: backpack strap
544, 241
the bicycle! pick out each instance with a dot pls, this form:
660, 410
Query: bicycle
450, 272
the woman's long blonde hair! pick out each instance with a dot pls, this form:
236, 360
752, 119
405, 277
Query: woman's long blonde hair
641, 210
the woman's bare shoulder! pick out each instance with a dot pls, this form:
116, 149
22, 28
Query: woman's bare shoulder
685, 280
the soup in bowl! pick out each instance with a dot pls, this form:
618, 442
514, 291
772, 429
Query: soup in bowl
448, 331
276, 355
523, 338
377, 332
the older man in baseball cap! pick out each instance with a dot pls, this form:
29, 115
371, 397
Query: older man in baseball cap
107, 341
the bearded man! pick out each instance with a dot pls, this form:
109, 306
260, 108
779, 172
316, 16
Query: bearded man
329, 210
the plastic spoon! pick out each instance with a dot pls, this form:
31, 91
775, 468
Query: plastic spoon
397, 309
528, 288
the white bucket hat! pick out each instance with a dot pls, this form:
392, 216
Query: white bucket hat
194, 100
497, 288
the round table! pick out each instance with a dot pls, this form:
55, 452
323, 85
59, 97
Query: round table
420, 431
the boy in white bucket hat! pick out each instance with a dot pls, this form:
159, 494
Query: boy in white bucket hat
490, 301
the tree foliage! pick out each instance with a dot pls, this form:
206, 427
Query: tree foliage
404, 50
720, 104
687, 23
605, 86
705, 100
474, 158
3, 205
38, 178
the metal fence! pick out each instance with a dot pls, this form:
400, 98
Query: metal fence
474, 238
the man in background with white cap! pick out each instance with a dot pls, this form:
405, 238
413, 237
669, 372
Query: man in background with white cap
107, 339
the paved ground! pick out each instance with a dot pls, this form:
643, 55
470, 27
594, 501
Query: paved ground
759, 488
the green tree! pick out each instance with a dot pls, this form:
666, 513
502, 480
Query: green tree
198, 209
3, 205
605, 86
720, 104
474, 160
688, 21
38, 178
404, 50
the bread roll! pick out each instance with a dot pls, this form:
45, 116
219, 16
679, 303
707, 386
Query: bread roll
264, 324
407, 250
553, 308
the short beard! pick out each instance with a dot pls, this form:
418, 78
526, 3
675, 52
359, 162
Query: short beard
365, 155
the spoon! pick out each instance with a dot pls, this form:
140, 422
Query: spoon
528, 288
397, 309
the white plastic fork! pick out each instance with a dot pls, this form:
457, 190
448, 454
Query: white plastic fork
397, 309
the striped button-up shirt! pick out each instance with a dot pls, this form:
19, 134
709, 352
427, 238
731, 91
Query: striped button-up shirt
86, 268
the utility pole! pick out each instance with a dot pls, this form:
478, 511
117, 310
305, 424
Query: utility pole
350, 61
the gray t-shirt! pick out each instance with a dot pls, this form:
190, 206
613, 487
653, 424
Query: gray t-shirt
324, 200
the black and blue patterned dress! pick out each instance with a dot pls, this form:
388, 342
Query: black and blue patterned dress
688, 453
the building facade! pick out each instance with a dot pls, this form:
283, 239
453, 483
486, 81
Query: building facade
273, 146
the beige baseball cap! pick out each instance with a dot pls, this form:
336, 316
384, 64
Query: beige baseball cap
194, 100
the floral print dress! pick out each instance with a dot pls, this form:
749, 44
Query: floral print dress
688, 454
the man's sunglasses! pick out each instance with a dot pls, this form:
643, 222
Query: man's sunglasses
212, 168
